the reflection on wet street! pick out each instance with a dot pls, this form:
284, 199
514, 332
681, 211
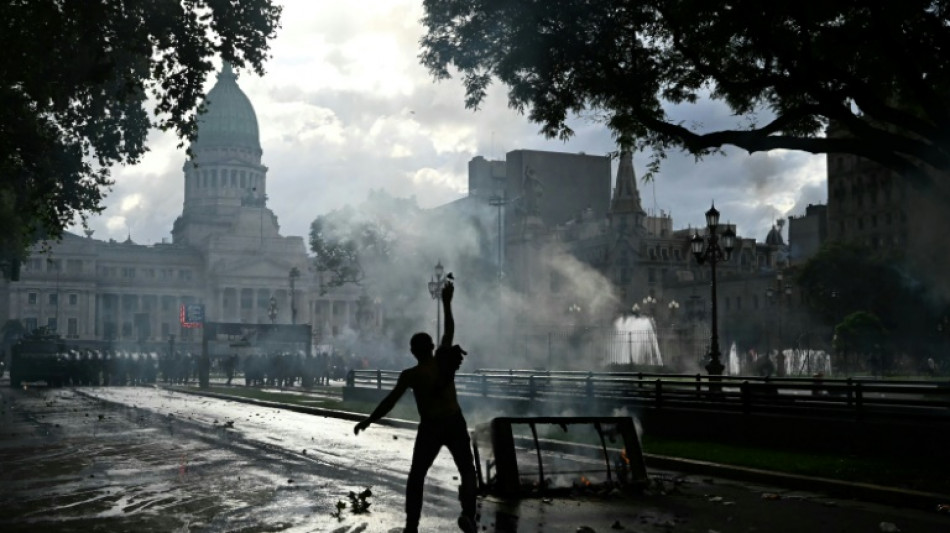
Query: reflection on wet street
142, 459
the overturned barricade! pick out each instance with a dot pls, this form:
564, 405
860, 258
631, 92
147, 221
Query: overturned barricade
534, 456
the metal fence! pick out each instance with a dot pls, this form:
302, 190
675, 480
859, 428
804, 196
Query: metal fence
851, 398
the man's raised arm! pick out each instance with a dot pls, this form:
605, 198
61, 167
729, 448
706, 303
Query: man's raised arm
448, 290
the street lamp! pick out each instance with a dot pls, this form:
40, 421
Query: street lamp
635, 310
673, 306
436, 283
777, 294
272, 310
294, 274
709, 249
648, 303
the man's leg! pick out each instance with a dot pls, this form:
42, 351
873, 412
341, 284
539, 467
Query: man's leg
424, 453
460, 445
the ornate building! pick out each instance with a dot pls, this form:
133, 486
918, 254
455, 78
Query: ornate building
226, 253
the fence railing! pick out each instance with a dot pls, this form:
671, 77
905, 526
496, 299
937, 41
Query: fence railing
852, 398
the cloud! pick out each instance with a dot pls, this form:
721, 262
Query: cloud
345, 107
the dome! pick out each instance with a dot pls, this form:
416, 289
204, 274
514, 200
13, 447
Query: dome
774, 238
229, 120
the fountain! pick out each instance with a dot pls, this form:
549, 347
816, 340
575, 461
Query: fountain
635, 343
807, 362
732, 362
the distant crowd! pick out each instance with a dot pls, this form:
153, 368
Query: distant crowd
107, 368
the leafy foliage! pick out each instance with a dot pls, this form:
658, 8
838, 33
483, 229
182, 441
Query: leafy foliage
347, 241
843, 279
78, 79
877, 71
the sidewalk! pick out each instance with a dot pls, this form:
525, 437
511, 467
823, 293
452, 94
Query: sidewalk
675, 465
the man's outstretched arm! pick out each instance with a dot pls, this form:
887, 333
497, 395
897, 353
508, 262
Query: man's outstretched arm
384, 406
447, 292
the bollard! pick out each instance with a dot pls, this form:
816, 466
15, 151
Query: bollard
659, 393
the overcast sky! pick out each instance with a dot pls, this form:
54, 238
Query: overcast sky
346, 107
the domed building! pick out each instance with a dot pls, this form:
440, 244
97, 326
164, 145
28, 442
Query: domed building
226, 253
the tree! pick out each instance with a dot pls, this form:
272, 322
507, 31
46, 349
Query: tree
344, 241
843, 279
862, 334
78, 79
877, 71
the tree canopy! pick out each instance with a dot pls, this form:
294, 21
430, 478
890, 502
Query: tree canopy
83, 82
878, 72
348, 241
844, 279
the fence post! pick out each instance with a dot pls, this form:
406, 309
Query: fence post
659, 393
379, 379
590, 385
485, 385
850, 392
699, 385
532, 388
351, 378
858, 402
746, 396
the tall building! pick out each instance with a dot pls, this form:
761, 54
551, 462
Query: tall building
226, 253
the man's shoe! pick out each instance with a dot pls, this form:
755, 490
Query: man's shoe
467, 524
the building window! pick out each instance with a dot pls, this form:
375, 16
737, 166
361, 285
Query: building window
738, 303
72, 328
73, 299
128, 272
53, 298
29, 324
51, 323
74, 266
247, 298
31, 299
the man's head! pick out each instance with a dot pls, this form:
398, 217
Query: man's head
421, 345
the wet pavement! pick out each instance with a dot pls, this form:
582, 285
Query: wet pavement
145, 459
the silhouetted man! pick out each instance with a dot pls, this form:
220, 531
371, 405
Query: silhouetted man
440, 418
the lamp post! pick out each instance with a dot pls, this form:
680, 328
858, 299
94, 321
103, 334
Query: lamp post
705, 249
435, 290
649, 304
294, 274
635, 310
272, 310
497, 200
777, 293
673, 307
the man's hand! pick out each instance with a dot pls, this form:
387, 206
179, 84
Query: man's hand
361, 426
448, 290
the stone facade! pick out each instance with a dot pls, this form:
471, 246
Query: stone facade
226, 253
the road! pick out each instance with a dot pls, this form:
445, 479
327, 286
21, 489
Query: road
151, 460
